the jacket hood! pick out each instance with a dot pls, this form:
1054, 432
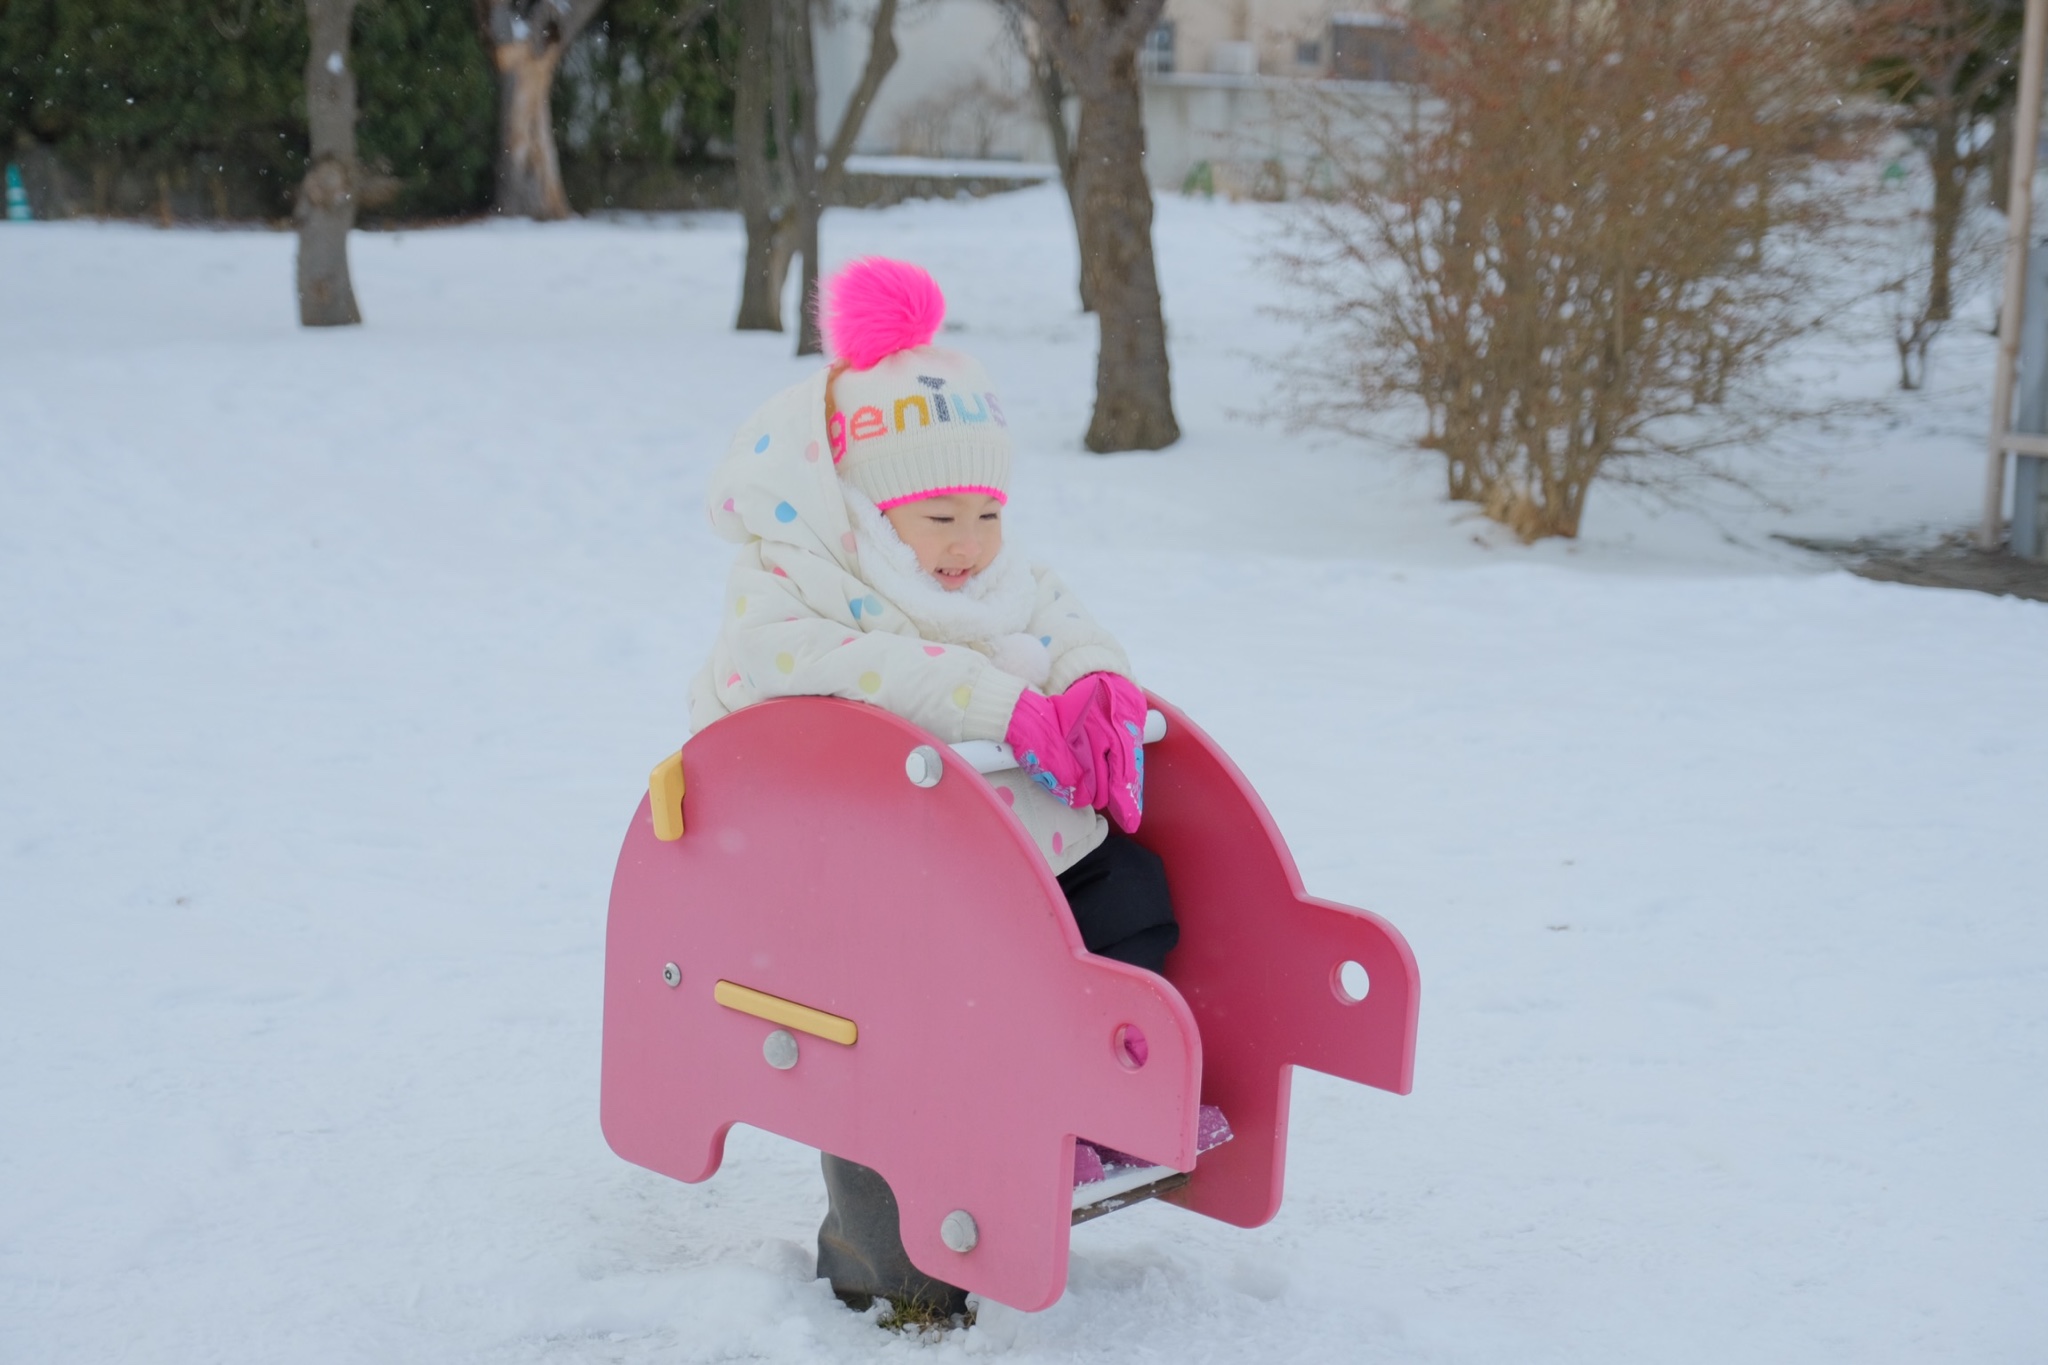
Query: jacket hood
777, 482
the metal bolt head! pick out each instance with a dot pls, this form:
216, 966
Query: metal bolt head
958, 1231
779, 1048
672, 975
924, 767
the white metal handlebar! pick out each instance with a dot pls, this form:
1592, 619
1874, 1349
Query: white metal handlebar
994, 756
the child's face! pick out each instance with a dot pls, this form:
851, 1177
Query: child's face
954, 535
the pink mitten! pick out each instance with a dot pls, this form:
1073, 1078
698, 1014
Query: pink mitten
1086, 745
1120, 791
1039, 738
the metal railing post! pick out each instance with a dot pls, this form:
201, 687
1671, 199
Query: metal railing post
2031, 409
2019, 224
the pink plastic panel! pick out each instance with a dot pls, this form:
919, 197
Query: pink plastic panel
1257, 963
813, 869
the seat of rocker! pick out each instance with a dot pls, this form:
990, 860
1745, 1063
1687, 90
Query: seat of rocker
948, 1028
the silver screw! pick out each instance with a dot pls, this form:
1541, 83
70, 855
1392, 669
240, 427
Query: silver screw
924, 766
672, 974
779, 1048
958, 1232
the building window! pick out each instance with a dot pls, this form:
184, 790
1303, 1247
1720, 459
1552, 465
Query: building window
1308, 53
1156, 57
1370, 48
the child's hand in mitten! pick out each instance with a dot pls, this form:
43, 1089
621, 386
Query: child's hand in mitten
1086, 745
1038, 736
1115, 726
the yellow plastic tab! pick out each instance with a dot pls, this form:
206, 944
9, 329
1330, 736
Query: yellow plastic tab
665, 797
787, 1013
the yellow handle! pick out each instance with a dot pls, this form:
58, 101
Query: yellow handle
787, 1013
665, 797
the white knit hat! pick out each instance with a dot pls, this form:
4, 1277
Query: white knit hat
909, 419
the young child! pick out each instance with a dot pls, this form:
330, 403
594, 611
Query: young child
868, 503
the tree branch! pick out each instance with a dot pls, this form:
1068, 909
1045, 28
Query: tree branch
575, 15
1066, 36
882, 54
1138, 21
686, 22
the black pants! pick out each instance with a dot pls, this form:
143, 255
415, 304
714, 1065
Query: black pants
1118, 896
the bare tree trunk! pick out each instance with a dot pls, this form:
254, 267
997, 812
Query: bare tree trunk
760, 292
1052, 104
1952, 61
794, 231
1133, 392
1914, 337
797, 159
529, 165
1998, 157
785, 243
528, 39
1951, 172
882, 54
1050, 90
800, 135
326, 207
1095, 43
782, 200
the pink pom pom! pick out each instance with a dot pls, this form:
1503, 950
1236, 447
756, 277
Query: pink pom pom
875, 307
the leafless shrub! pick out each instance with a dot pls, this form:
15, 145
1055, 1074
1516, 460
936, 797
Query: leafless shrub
1954, 65
1578, 248
961, 120
1928, 259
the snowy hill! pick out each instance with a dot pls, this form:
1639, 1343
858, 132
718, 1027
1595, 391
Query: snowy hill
331, 666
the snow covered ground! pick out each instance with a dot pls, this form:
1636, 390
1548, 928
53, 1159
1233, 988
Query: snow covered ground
331, 666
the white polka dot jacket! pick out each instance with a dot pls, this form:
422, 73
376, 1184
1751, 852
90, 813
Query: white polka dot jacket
825, 601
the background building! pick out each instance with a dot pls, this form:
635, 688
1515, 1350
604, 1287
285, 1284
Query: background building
1219, 75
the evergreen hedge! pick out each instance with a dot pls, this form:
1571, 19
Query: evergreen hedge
639, 89
166, 88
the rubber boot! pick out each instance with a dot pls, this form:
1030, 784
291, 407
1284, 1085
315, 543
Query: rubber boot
860, 1246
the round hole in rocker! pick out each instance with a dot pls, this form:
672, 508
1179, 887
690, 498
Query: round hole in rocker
1351, 982
1132, 1051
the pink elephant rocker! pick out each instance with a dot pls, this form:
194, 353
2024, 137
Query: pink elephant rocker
933, 904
